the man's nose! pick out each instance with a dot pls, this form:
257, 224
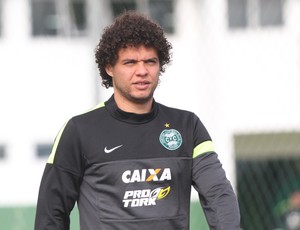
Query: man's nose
141, 68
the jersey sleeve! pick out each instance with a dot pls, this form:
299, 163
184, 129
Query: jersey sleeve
61, 181
216, 194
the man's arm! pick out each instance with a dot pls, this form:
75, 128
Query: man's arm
59, 189
57, 196
217, 197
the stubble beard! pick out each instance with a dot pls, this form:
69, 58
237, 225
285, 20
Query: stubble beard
136, 99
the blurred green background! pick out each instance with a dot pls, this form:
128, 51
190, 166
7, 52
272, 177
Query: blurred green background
22, 218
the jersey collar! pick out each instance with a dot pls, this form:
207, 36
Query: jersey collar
134, 118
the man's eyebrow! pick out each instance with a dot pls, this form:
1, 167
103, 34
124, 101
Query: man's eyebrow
135, 60
129, 59
151, 59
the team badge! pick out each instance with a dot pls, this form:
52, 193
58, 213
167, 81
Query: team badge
171, 139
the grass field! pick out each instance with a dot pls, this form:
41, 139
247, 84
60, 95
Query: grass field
22, 218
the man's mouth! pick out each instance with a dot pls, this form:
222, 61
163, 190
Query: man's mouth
142, 84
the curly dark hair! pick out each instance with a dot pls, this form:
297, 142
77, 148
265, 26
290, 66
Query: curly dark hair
130, 29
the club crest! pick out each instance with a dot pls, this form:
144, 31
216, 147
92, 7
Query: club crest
171, 139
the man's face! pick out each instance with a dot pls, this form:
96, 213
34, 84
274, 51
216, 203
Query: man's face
135, 75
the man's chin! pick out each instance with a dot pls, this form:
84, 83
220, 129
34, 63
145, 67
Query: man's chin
142, 99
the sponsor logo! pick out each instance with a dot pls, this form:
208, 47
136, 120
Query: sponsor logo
145, 197
146, 175
171, 139
106, 150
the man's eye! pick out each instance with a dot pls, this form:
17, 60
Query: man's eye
129, 62
151, 61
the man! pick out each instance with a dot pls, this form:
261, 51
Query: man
130, 162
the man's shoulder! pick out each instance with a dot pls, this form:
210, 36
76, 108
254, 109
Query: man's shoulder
174, 109
90, 113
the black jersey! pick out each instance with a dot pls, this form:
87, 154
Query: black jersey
134, 171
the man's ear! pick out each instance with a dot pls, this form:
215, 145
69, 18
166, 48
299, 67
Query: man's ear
108, 70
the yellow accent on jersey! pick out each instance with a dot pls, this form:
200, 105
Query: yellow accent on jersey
204, 147
52, 154
57, 139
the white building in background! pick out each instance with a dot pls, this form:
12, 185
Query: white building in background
236, 63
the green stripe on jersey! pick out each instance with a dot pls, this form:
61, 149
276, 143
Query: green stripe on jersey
204, 147
57, 139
